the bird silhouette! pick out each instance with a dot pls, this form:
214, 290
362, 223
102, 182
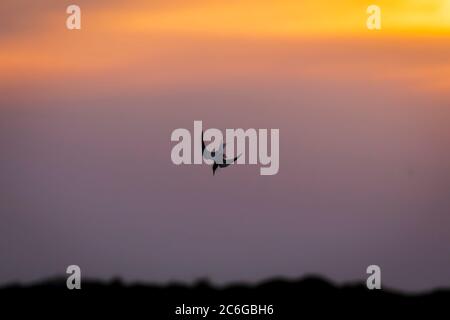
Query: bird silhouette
214, 155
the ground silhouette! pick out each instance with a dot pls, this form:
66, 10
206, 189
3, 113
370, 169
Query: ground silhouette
303, 298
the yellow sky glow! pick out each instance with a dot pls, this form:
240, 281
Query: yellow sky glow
120, 35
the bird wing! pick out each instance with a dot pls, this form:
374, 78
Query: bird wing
227, 162
203, 144
214, 168
206, 154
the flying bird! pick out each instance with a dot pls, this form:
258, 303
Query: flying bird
213, 155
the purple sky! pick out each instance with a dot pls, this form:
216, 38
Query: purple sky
90, 182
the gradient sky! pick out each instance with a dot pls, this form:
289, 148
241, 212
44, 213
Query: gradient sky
364, 119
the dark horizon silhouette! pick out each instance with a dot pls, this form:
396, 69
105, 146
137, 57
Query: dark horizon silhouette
289, 298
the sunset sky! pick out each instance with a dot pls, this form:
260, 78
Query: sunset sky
117, 34
364, 119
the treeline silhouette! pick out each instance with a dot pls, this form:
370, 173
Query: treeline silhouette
303, 298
